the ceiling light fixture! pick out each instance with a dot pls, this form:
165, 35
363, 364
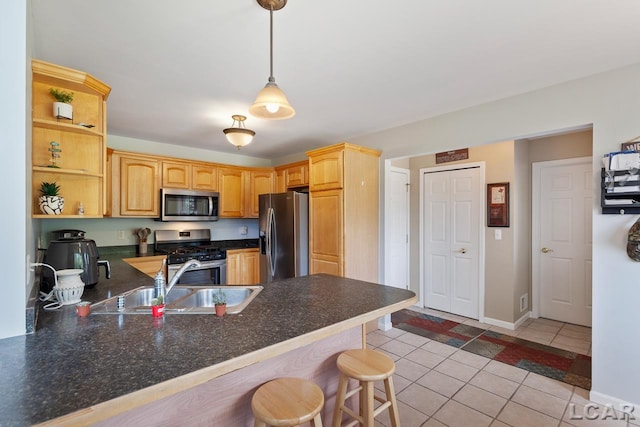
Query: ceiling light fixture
271, 102
239, 135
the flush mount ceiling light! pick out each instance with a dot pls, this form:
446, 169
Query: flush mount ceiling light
271, 102
239, 135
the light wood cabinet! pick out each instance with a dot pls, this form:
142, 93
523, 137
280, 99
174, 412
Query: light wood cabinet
149, 265
343, 211
135, 183
80, 169
243, 266
231, 184
260, 182
189, 176
292, 176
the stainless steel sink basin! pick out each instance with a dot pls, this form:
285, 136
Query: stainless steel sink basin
181, 300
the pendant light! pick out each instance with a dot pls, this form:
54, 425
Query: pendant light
271, 102
239, 135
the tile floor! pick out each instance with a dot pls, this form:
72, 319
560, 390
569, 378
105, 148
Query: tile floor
440, 385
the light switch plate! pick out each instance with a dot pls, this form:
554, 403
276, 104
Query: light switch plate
497, 234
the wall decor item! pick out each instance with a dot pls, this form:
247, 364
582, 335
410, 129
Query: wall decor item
633, 241
631, 145
55, 154
498, 204
452, 156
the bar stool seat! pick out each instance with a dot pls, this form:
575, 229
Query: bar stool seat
366, 366
287, 402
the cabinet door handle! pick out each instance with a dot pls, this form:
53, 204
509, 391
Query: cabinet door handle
463, 251
546, 250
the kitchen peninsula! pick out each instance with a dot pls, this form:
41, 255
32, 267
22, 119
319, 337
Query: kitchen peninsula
183, 369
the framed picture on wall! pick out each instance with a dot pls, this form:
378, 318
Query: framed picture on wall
498, 204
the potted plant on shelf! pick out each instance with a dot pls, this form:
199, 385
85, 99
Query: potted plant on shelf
51, 203
220, 302
62, 107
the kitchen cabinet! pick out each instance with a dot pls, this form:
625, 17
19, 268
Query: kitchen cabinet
260, 182
189, 176
243, 266
292, 176
149, 265
80, 168
343, 211
231, 184
135, 185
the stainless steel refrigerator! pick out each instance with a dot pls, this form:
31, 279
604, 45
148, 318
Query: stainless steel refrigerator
284, 235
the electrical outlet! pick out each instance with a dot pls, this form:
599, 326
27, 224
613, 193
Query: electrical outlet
120, 234
524, 302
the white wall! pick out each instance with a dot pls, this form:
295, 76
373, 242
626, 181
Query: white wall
13, 173
611, 102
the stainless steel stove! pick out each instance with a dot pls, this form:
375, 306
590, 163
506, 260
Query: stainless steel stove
183, 245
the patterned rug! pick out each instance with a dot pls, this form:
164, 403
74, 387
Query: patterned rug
562, 365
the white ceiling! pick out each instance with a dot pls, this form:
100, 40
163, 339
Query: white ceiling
179, 70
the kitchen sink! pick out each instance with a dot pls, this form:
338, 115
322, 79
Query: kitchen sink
181, 300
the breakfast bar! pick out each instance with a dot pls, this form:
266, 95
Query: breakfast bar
115, 369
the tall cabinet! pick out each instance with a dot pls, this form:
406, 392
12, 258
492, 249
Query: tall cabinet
80, 169
343, 211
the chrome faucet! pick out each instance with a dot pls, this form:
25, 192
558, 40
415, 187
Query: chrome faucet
184, 267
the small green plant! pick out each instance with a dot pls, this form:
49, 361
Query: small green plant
219, 298
49, 189
61, 95
157, 301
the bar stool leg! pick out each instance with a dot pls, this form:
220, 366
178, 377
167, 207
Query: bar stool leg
340, 398
258, 423
367, 393
316, 421
391, 396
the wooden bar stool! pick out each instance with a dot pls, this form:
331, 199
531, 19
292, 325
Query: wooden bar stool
287, 402
366, 366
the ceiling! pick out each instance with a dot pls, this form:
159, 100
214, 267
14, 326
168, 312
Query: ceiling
179, 70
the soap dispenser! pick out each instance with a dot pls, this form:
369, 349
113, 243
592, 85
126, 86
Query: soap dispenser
159, 285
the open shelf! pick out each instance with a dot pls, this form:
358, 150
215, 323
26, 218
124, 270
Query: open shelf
620, 192
67, 127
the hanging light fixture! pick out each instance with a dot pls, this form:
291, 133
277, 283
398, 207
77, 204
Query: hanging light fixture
271, 102
239, 135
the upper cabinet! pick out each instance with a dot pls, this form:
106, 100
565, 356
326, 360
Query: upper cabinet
189, 176
69, 149
326, 169
260, 182
135, 185
292, 176
231, 184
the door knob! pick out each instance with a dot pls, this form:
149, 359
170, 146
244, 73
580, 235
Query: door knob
463, 251
546, 250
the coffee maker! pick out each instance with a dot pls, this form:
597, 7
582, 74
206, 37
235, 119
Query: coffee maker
70, 249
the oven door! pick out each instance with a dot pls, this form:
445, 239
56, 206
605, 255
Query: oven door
209, 273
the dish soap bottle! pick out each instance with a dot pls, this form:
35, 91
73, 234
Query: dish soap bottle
159, 284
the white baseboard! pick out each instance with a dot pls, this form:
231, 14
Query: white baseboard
631, 408
506, 325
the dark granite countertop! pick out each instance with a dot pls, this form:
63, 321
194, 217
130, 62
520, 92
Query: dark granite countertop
71, 363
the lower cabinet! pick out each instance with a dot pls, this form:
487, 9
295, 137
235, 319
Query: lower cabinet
243, 266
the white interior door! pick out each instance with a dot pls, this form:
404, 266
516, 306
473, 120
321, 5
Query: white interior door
451, 240
562, 240
397, 228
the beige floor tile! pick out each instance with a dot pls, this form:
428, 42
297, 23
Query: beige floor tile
454, 414
542, 327
413, 339
581, 335
577, 415
392, 333
409, 417
456, 370
571, 342
478, 399
497, 423
556, 388
440, 383
536, 336
433, 423
543, 321
577, 328
422, 399
399, 383
540, 401
397, 347
506, 371
425, 358
494, 384
580, 396
521, 416
410, 370
375, 339
470, 359
439, 348
393, 356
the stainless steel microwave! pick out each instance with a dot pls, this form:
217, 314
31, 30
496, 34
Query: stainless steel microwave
188, 205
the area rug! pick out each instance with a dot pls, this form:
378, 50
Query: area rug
562, 365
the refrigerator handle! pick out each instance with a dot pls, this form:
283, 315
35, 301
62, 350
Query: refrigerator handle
272, 239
